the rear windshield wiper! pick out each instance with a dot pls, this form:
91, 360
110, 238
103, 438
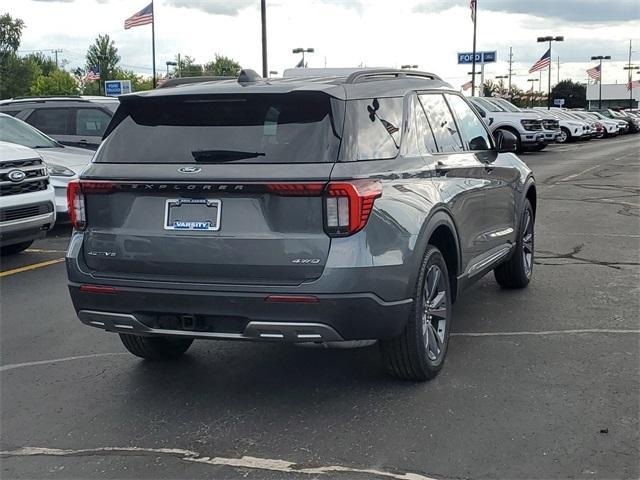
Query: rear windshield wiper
223, 155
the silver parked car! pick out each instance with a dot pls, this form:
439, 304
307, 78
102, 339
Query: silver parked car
64, 163
326, 209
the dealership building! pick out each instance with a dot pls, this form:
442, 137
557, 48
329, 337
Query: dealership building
615, 95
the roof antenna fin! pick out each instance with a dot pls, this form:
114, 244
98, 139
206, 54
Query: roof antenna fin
248, 76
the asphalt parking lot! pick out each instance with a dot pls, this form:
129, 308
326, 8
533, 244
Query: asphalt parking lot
540, 383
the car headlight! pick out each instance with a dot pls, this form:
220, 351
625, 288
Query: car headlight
59, 171
531, 124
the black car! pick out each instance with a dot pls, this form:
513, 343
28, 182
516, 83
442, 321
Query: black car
78, 121
326, 209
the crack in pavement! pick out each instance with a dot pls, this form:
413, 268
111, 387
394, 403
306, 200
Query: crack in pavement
255, 463
547, 255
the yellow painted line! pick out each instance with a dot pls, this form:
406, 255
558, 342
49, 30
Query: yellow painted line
31, 267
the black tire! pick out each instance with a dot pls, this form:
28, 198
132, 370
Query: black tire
156, 348
566, 137
517, 271
15, 248
409, 355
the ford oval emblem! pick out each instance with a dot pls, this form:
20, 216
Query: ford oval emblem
16, 175
190, 170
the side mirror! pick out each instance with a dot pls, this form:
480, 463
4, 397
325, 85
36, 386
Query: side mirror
505, 141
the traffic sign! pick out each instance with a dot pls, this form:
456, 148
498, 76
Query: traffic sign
558, 102
481, 57
113, 88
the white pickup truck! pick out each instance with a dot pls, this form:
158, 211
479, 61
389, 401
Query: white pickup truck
27, 198
527, 127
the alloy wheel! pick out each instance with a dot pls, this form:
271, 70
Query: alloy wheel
527, 242
435, 314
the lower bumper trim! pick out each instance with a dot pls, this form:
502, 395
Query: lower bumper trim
266, 331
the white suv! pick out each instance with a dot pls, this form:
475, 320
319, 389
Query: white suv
27, 198
526, 126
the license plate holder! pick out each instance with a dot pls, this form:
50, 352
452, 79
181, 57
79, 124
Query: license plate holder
192, 214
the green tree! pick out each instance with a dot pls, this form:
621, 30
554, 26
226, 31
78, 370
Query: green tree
10, 33
17, 75
188, 68
58, 82
46, 64
138, 82
222, 66
104, 55
573, 93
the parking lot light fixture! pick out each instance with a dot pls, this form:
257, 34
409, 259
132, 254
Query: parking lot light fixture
550, 38
600, 57
170, 64
303, 51
408, 67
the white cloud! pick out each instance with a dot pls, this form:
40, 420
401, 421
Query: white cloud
344, 32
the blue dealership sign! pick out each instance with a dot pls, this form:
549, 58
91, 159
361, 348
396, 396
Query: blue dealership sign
113, 88
481, 57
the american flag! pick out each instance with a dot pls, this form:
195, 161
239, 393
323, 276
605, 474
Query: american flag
633, 84
143, 17
544, 62
594, 72
466, 86
473, 5
93, 74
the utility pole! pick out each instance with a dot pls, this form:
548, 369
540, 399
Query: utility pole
263, 12
56, 52
558, 69
510, 71
179, 67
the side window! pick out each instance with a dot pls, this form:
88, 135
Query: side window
471, 127
377, 123
442, 123
13, 113
424, 134
52, 121
91, 122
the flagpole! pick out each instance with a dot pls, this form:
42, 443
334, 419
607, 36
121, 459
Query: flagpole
153, 41
473, 67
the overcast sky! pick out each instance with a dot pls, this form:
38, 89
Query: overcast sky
344, 33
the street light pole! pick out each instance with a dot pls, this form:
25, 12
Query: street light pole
631, 68
263, 14
550, 39
532, 80
600, 57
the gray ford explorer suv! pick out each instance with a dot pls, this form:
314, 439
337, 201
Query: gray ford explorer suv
323, 209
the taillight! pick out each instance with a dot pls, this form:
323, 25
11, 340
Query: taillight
348, 205
76, 201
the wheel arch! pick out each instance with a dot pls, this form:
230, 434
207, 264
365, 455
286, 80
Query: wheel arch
440, 231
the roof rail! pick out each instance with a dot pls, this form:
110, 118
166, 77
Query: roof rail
35, 97
374, 74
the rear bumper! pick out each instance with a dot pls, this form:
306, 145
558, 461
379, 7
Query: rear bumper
240, 315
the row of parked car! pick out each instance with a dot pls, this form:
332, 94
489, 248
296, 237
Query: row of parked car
46, 142
538, 127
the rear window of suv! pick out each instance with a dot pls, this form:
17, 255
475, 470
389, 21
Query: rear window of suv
297, 127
